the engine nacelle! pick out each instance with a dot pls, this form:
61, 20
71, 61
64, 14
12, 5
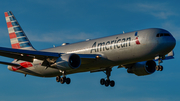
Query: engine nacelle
143, 68
68, 61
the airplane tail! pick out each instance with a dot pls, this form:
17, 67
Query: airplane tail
17, 36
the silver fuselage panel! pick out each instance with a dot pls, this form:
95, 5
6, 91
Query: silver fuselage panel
121, 49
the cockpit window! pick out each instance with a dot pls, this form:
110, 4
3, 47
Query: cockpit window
162, 34
166, 34
158, 35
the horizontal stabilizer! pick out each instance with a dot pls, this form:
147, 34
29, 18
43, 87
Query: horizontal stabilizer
8, 63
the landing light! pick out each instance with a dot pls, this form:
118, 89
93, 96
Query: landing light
65, 44
34, 59
98, 57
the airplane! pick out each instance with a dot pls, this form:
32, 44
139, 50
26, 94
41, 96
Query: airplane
136, 51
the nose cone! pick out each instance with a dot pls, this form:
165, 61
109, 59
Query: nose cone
170, 42
167, 44
173, 41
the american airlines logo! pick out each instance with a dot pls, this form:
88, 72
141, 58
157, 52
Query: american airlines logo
137, 40
111, 44
114, 44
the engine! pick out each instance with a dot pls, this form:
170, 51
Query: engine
68, 61
143, 68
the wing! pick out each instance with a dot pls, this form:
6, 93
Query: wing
47, 57
27, 55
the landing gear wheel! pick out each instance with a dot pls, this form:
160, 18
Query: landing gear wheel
107, 83
159, 68
112, 83
68, 80
63, 80
57, 78
102, 81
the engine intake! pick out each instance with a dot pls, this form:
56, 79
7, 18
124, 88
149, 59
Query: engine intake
143, 68
68, 61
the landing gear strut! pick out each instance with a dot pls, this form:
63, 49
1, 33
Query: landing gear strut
159, 67
63, 79
107, 82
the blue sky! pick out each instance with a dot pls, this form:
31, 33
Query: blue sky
53, 22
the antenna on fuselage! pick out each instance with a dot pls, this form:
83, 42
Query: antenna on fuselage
123, 32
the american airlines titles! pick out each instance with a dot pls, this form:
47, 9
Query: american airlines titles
113, 44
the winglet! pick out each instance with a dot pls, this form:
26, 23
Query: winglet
17, 36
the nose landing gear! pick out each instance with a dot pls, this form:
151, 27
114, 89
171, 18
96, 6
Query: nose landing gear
159, 67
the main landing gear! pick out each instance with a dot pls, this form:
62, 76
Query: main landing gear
159, 67
63, 79
107, 82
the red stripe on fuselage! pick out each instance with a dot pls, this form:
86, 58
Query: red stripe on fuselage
16, 46
26, 64
23, 65
12, 35
6, 14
